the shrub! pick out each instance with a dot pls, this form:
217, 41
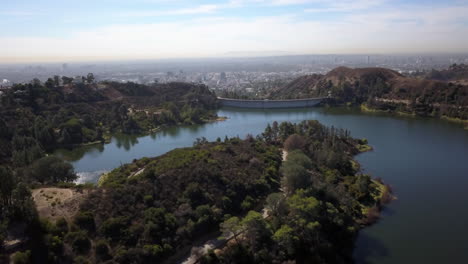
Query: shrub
248, 203
85, 220
81, 260
79, 241
294, 142
22, 257
113, 228
102, 250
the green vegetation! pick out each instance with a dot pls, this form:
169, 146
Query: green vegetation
316, 201
36, 119
323, 203
177, 198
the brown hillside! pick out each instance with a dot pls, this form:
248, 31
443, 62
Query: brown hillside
345, 74
456, 72
301, 87
383, 89
317, 85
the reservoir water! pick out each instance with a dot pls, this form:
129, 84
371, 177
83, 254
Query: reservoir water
425, 160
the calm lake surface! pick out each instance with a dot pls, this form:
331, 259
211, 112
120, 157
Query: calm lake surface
425, 160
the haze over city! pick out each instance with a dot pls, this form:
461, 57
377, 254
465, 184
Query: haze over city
57, 31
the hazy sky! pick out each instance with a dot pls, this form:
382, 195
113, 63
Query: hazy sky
55, 30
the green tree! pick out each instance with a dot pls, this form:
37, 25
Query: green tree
43, 132
285, 129
287, 239
85, 220
52, 169
49, 83
22, 257
295, 176
90, 78
7, 186
153, 252
61, 226
303, 206
72, 132
276, 204
299, 158
25, 208
232, 227
5, 131
56, 80
67, 80
79, 241
114, 228
268, 134
256, 229
102, 250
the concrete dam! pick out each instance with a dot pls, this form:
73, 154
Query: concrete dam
270, 104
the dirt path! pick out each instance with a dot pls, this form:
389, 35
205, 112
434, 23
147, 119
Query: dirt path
137, 173
198, 252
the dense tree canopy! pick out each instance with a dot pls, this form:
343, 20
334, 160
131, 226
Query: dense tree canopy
314, 202
38, 118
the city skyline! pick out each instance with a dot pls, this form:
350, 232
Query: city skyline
55, 31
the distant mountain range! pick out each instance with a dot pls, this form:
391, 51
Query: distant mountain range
258, 53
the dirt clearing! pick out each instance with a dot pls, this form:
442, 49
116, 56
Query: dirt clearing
54, 203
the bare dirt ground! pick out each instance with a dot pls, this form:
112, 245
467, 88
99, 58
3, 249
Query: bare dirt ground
54, 203
462, 82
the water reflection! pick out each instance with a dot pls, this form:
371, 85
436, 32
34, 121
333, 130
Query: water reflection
76, 154
369, 248
125, 141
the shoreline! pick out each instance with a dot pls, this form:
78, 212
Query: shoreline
108, 136
366, 109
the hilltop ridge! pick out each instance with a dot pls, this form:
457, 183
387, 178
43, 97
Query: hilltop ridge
382, 89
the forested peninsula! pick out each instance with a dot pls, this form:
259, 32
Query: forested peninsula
293, 193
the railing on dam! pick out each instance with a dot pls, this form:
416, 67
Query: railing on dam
290, 103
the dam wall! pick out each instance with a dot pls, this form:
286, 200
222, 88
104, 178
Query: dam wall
269, 104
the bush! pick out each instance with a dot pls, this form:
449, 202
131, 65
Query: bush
153, 252
85, 220
79, 241
102, 250
55, 245
22, 257
81, 260
113, 228
247, 203
52, 170
294, 142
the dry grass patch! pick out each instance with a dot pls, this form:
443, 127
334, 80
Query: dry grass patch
54, 203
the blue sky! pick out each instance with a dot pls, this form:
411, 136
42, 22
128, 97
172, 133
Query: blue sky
53, 30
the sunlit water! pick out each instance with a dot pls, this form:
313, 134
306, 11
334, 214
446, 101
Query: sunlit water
425, 160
